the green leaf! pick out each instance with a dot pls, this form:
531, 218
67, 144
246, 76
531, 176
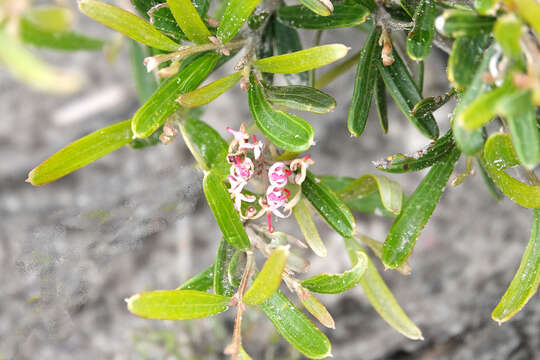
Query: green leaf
380, 103
162, 18
484, 108
236, 14
526, 280
163, 103
338, 283
81, 153
284, 130
344, 15
177, 304
499, 153
152, 140
301, 98
266, 46
126, 23
417, 211
316, 308
465, 59
223, 209
50, 18
268, 280
295, 327
484, 7
507, 32
210, 92
302, 60
222, 285
145, 82
432, 103
409, 6
201, 282
207, 144
377, 249
308, 228
255, 21
329, 205
401, 86
189, 20
530, 11
421, 36
31, 70
520, 114
493, 190
68, 41
236, 267
370, 204
288, 41
319, 7
421, 159
389, 190
456, 23
364, 84
381, 297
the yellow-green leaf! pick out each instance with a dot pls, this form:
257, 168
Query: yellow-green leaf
126, 23
210, 92
268, 280
308, 228
177, 304
319, 7
81, 153
190, 22
302, 60
235, 15
50, 18
316, 308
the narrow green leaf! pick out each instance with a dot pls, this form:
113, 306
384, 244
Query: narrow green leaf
266, 46
163, 103
364, 84
177, 304
236, 267
222, 285
81, 153
432, 103
338, 283
145, 82
377, 248
128, 24
288, 41
284, 130
236, 14
161, 18
201, 282
507, 32
421, 36
370, 204
493, 190
465, 59
31, 70
301, 98
417, 211
380, 103
255, 21
67, 41
526, 280
329, 205
369, 4
421, 159
409, 6
189, 20
401, 86
499, 152
302, 60
456, 23
268, 280
317, 309
483, 108
50, 18
381, 297
389, 190
520, 114
208, 144
308, 228
319, 7
210, 92
295, 327
223, 209
344, 15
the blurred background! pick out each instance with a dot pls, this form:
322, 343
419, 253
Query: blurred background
135, 220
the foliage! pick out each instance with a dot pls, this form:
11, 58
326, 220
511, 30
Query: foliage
493, 72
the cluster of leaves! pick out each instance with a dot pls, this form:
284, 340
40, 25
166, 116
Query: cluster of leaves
494, 73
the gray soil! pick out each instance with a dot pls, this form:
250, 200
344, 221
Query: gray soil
73, 250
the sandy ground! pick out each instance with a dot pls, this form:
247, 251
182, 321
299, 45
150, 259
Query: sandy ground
71, 251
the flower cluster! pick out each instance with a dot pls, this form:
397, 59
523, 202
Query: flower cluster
248, 162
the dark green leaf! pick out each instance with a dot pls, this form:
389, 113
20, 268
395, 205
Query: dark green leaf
301, 98
431, 104
401, 86
343, 16
421, 36
288, 41
222, 285
364, 84
380, 103
235, 269
417, 211
81, 153
456, 23
266, 46
163, 103
465, 59
295, 327
201, 282
284, 130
